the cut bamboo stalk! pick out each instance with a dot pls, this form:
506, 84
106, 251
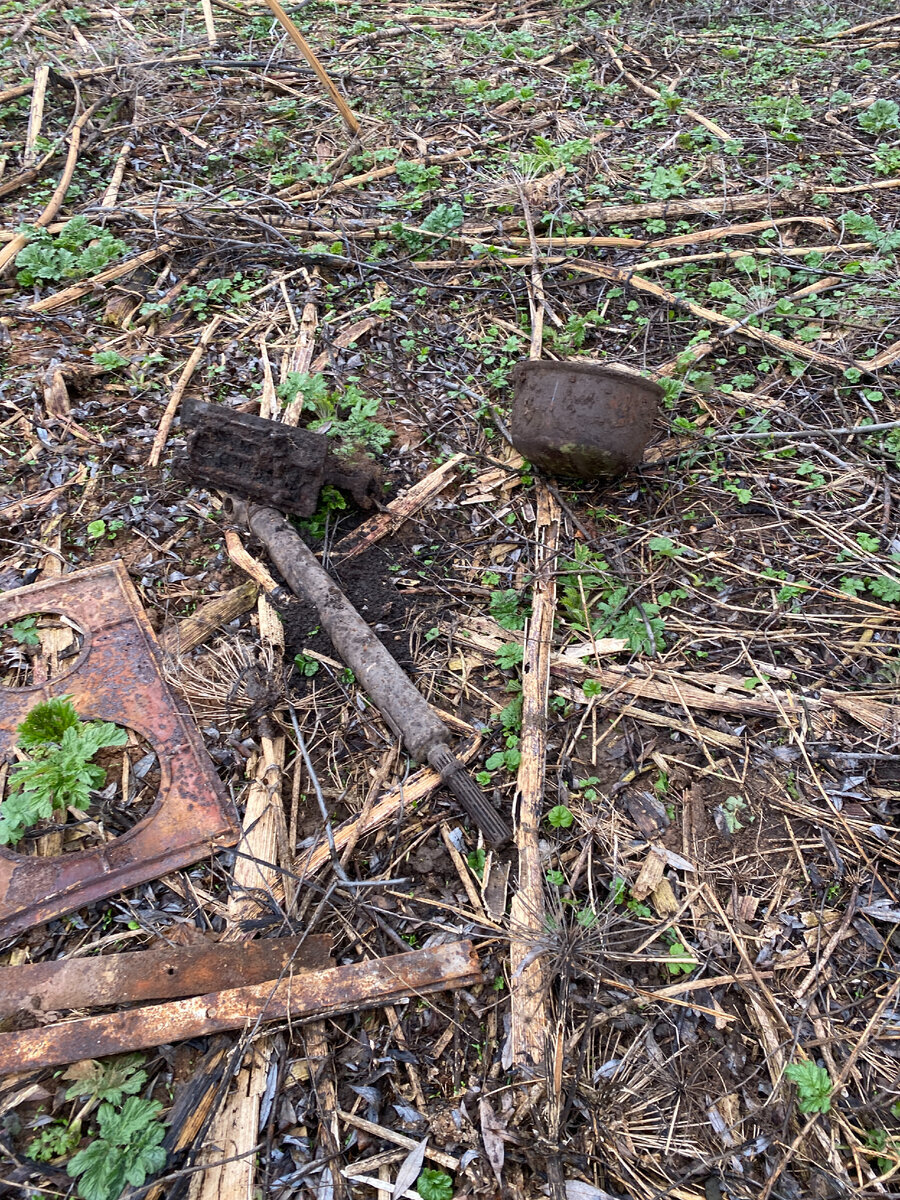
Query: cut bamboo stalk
211, 35
300, 359
342, 341
202, 624
528, 992
252, 566
395, 513
178, 391
36, 115
307, 51
403, 796
235, 1127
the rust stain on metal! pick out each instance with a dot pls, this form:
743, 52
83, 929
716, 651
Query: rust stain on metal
266, 460
116, 677
301, 997
156, 974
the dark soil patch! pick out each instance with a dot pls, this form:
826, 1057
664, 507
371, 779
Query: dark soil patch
366, 582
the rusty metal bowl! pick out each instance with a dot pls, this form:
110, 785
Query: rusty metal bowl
584, 420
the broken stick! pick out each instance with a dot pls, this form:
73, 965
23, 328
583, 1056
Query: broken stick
307, 51
528, 993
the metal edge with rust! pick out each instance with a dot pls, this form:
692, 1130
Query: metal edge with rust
298, 998
117, 676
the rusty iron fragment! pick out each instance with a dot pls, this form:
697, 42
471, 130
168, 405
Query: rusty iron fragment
267, 460
301, 997
116, 676
156, 974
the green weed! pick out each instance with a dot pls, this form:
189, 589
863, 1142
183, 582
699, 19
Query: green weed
506, 609
813, 1086
880, 117
78, 250
126, 1150
434, 1185
59, 771
56, 1140
346, 416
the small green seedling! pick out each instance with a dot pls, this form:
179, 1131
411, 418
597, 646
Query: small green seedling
24, 632
813, 1086
109, 360
476, 860
560, 817
59, 771
680, 961
305, 665
55, 1140
434, 1185
727, 814
880, 117
509, 656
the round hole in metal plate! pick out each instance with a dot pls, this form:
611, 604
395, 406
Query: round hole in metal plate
120, 785
37, 648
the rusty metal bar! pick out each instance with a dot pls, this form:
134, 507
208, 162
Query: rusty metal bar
302, 997
162, 974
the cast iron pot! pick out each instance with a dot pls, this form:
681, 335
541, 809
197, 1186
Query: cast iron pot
580, 419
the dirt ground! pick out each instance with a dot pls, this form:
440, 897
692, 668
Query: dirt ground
679, 686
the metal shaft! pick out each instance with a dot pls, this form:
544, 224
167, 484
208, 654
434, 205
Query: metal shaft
378, 673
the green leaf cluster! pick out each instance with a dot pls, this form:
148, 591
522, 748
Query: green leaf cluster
864, 226
24, 632
78, 250
54, 1141
880, 117
346, 416
560, 817
444, 218
126, 1151
813, 1086
586, 582
59, 771
506, 609
109, 1081
434, 1185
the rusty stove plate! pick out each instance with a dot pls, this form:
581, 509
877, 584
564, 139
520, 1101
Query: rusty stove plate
116, 676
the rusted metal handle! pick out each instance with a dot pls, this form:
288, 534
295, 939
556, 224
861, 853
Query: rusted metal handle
378, 673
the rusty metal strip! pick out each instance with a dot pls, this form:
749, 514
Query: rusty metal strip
156, 974
118, 677
303, 997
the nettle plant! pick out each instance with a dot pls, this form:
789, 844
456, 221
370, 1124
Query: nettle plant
79, 249
346, 416
59, 770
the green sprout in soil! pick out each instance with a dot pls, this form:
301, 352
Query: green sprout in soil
59, 770
813, 1086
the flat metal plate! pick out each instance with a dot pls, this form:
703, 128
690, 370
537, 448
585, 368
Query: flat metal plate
116, 676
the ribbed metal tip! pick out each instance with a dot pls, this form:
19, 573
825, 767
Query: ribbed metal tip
469, 794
